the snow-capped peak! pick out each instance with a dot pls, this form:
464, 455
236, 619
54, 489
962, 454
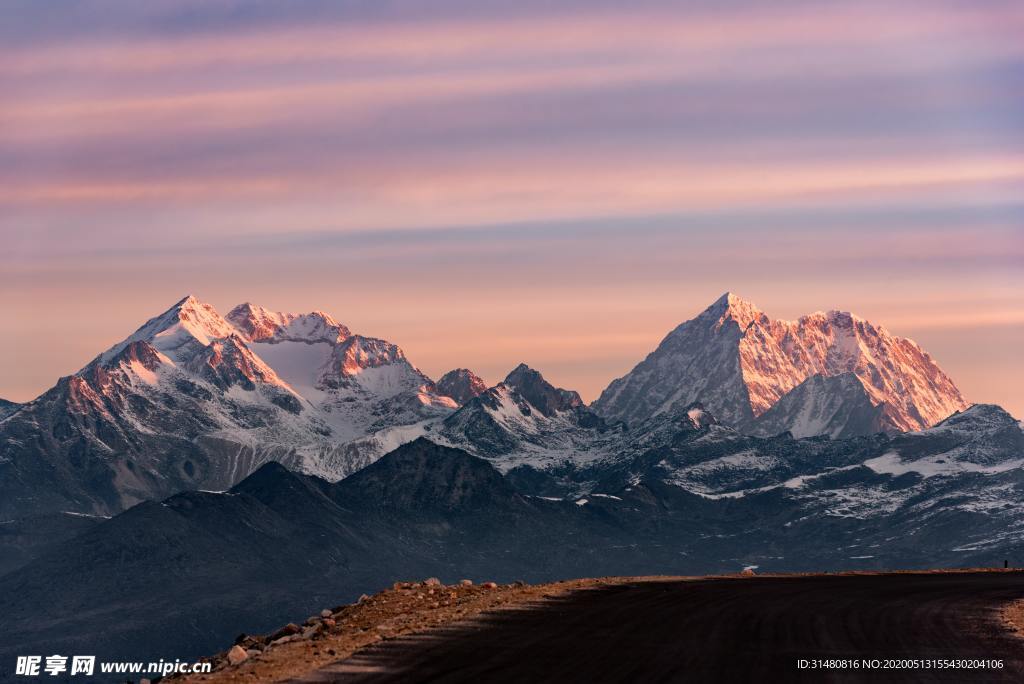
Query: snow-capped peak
740, 363
733, 307
258, 324
189, 322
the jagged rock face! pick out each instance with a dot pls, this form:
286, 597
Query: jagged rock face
190, 401
525, 419
228, 362
542, 395
837, 406
461, 385
261, 325
740, 363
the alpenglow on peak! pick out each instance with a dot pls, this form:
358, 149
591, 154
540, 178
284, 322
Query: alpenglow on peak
739, 363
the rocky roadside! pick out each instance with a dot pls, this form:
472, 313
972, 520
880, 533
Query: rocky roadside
336, 633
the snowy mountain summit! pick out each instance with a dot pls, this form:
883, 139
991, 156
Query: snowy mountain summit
826, 373
195, 400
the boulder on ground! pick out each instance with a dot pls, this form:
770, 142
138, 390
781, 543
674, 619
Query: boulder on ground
288, 630
237, 655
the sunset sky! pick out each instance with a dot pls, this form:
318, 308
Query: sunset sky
485, 183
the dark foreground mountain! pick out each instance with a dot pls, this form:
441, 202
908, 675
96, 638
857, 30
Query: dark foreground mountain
173, 578
22, 539
179, 578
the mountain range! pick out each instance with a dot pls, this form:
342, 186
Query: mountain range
210, 474
184, 575
194, 400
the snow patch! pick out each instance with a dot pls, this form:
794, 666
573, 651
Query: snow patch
297, 363
936, 466
85, 515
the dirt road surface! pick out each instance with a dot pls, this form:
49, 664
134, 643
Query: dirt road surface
723, 630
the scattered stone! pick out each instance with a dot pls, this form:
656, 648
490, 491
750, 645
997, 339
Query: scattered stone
748, 572
325, 613
309, 632
287, 630
247, 641
252, 653
283, 640
519, 583
466, 582
237, 655
489, 585
329, 622
364, 597
431, 582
